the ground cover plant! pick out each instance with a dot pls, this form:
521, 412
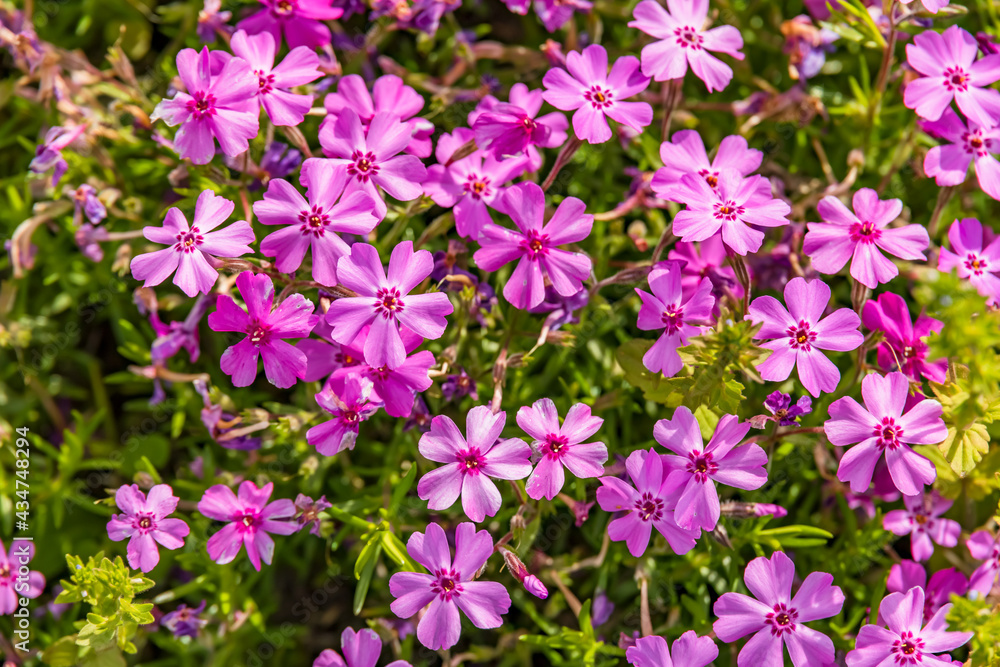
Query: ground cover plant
551, 332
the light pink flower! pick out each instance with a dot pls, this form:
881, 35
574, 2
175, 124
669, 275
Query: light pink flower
975, 263
982, 546
301, 21
360, 649
949, 163
12, 581
515, 127
937, 590
922, 521
685, 154
250, 519
349, 403
298, 68
689, 650
144, 521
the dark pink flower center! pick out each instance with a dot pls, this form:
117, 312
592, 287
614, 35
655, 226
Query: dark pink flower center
189, 241
535, 245
265, 82
314, 222
599, 98
345, 359
701, 465
350, 418
908, 649
284, 9
202, 105
688, 38
711, 177
956, 79
477, 186
144, 522
555, 446
249, 522
4, 573
470, 461
728, 210
865, 232
801, 337
447, 584
976, 144
363, 166
781, 619
649, 507
977, 265
529, 125
388, 302
888, 432
259, 334
673, 318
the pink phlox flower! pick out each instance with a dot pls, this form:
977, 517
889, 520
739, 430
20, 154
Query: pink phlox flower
218, 106
348, 399
86, 202
983, 546
689, 650
386, 302
937, 591
800, 333
922, 521
555, 13
649, 503
301, 21
561, 446
706, 260
307, 512
515, 127
597, 95
679, 315
951, 71
881, 427
390, 95
695, 467
903, 347
471, 462
191, 246
975, 263
212, 21
450, 587
172, 337
882, 489
685, 154
778, 619
249, 518
14, 584
265, 332
325, 355
907, 641
949, 163
361, 649
535, 246
372, 158
298, 68
729, 208
316, 221
682, 41
144, 522
933, 6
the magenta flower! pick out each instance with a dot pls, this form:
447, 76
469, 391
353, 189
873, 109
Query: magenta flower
472, 185
372, 158
800, 333
975, 263
515, 127
982, 546
949, 164
144, 521
220, 107
650, 503
730, 207
360, 649
185, 621
212, 21
689, 650
324, 355
679, 318
685, 154
265, 329
471, 463
349, 402
301, 21
902, 347
534, 244
948, 62
555, 13
880, 427
907, 641
315, 223
298, 68
451, 586
776, 618
250, 519
697, 467
13, 583
859, 237
706, 260
386, 303
561, 446
190, 247
682, 41
933, 6
597, 95
937, 591
922, 521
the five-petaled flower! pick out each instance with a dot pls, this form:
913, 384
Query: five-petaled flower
903, 347
949, 163
983, 546
922, 521
249, 518
15, 583
689, 650
144, 522
974, 262
360, 649
685, 154
301, 21
273, 82
348, 401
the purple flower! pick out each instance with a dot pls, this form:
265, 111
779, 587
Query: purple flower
730, 207
470, 464
776, 618
170, 338
48, 154
190, 247
948, 62
882, 488
12, 581
371, 158
273, 82
902, 347
561, 446
250, 519
683, 42
650, 503
983, 546
800, 333
922, 521
185, 621
266, 330
535, 245
905, 642
144, 521
350, 404
597, 95
420, 417
360, 649
685, 154
301, 21
949, 164
697, 467
315, 223
561, 309
706, 260
516, 127
279, 161
221, 106
689, 650
212, 21
85, 202
880, 427
458, 386
450, 586
780, 405
937, 592
308, 511
679, 318
975, 263
859, 237
386, 303
555, 13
